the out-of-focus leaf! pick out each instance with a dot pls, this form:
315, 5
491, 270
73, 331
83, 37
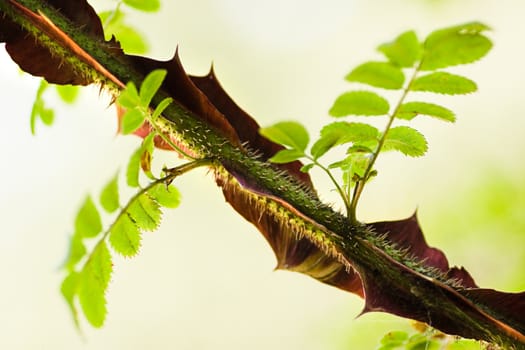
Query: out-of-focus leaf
444, 83
132, 120
68, 93
69, 289
359, 103
77, 250
109, 197
151, 85
378, 74
290, 134
409, 110
404, 51
286, 156
88, 223
144, 5
455, 45
132, 171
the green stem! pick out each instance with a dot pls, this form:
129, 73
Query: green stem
360, 185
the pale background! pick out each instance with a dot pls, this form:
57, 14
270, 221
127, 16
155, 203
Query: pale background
204, 280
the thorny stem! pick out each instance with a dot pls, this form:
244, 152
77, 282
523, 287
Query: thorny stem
360, 184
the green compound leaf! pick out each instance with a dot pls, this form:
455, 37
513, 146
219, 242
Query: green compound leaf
93, 282
444, 83
290, 134
359, 103
109, 197
307, 167
460, 44
410, 110
129, 97
339, 133
394, 338
69, 289
125, 236
404, 51
161, 107
286, 156
379, 74
133, 169
406, 140
151, 85
166, 196
132, 120
144, 5
87, 222
77, 250
68, 93
145, 212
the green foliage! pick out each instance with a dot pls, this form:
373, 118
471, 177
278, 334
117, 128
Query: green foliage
359, 103
427, 339
89, 272
137, 103
405, 56
40, 110
144, 5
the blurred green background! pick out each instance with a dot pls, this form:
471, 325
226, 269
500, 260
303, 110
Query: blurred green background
205, 279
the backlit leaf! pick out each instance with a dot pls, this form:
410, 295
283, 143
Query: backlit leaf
77, 251
67, 93
455, 45
151, 85
404, 51
109, 197
291, 134
145, 212
129, 97
93, 282
161, 107
444, 83
144, 5
405, 140
394, 338
132, 120
69, 289
359, 103
133, 169
410, 110
307, 167
125, 236
87, 222
286, 156
339, 133
166, 196
146, 156
378, 74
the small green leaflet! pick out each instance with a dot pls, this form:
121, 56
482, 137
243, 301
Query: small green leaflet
87, 222
444, 83
129, 97
77, 250
166, 196
145, 212
151, 85
69, 289
404, 51
286, 156
125, 236
379, 74
406, 140
132, 120
455, 45
68, 93
93, 282
410, 110
133, 169
144, 5
39, 110
359, 103
109, 198
290, 134
339, 133
161, 107
394, 338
